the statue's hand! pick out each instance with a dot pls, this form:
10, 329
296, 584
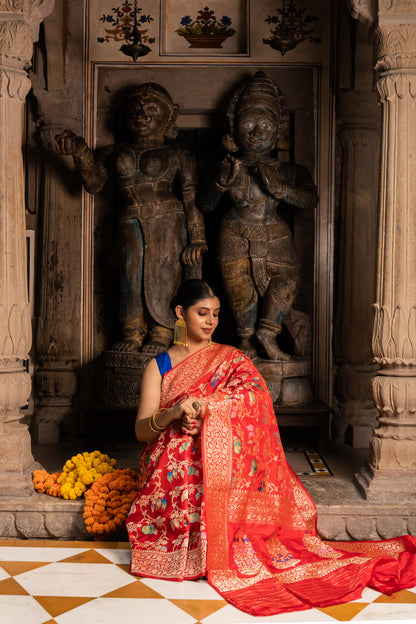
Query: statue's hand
192, 254
270, 180
69, 144
227, 171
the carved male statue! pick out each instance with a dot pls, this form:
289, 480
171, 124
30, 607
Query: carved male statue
256, 250
157, 229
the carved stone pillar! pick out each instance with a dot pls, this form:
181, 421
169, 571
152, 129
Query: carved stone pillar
358, 138
56, 381
19, 24
391, 472
60, 218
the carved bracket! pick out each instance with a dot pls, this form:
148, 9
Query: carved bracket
366, 10
19, 28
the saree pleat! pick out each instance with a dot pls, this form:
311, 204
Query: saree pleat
227, 505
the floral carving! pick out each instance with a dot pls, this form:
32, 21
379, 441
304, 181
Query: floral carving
15, 332
12, 5
16, 40
395, 46
394, 340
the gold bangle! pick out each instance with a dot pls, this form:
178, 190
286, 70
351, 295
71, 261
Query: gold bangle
153, 424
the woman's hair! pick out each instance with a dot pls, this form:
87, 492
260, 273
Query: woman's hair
190, 292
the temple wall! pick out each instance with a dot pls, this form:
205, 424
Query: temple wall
78, 77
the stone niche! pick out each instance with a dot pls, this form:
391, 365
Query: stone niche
203, 94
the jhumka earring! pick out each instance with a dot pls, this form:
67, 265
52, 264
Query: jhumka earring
210, 342
180, 336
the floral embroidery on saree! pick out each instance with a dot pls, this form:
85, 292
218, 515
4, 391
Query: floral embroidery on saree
227, 504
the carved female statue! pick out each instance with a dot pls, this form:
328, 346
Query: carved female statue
156, 228
256, 250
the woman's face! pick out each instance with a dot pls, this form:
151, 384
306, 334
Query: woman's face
256, 131
201, 318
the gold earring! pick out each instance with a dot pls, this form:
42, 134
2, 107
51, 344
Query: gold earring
180, 335
210, 342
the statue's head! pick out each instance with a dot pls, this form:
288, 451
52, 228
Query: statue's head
151, 113
260, 104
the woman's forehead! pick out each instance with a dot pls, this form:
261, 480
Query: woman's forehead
209, 302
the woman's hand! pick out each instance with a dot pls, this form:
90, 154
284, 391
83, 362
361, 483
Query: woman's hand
192, 410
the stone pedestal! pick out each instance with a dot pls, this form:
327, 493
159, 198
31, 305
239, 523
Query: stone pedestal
123, 377
19, 24
391, 470
56, 383
289, 382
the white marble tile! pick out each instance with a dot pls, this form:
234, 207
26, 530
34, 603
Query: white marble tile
37, 553
21, 610
116, 555
123, 610
399, 613
194, 590
231, 615
368, 595
3, 574
73, 579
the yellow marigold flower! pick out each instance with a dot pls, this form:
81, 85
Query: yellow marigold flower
81, 471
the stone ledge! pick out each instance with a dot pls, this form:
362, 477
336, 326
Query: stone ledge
343, 515
41, 517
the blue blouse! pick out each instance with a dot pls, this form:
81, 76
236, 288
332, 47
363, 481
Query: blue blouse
163, 362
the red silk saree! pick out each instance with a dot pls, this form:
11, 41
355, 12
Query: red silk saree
226, 504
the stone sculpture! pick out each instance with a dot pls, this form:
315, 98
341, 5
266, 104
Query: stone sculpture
256, 250
157, 229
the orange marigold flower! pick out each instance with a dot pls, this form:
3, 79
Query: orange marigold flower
108, 500
44, 482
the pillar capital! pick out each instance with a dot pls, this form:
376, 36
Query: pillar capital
395, 47
19, 29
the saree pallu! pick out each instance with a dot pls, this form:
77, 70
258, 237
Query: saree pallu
226, 504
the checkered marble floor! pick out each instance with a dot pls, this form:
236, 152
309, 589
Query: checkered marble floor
55, 582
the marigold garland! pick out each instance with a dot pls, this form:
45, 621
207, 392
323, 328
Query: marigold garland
47, 483
108, 492
108, 501
81, 471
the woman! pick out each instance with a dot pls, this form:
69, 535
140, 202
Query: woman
218, 498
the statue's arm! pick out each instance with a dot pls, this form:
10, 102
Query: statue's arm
295, 187
93, 174
192, 254
188, 182
217, 183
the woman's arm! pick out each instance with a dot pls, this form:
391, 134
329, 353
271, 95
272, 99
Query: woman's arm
148, 415
149, 404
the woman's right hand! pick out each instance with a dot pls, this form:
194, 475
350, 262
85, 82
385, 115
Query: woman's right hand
192, 411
